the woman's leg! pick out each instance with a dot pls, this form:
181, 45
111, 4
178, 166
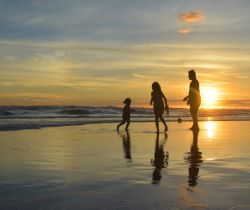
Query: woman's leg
195, 121
157, 124
164, 123
194, 114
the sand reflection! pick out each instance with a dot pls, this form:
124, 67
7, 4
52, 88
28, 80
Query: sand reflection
194, 157
160, 159
126, 142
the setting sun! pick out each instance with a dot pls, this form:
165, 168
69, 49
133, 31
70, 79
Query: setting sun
209, 97
133, 104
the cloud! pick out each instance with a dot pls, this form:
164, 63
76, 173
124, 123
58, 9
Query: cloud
192, 17
239, 103
185, 30
34, 21
38, 2
102, 72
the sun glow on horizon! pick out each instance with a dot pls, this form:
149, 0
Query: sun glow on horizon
210, 97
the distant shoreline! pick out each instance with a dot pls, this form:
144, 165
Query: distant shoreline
35, 117
116, 107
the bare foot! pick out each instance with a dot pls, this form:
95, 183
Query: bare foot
194, 128
157, 132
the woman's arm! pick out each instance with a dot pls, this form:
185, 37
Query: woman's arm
151, 101
185, 98
166, 103
165, 100
188, 96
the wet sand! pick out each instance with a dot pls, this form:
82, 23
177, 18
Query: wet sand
93, 167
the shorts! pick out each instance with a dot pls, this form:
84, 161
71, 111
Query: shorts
194, 107
158, 111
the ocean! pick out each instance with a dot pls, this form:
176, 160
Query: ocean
33, 117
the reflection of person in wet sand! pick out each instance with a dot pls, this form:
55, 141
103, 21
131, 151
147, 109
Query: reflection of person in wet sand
195, 159
157, 98
193, 99
126, 145
160, 159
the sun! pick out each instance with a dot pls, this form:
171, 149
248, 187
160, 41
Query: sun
209, 97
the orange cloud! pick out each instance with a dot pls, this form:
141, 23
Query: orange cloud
185, 30
192, 17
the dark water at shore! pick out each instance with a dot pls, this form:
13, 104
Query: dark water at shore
28, 117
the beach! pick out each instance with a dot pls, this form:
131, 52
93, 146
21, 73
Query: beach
92, 167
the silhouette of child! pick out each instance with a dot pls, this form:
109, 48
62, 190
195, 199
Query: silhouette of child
193, 99
157, 98
126, 114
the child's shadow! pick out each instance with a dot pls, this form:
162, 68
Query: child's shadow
126, 142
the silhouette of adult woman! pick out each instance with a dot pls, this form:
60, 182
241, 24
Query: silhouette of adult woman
193, 98
158, 100
160, 159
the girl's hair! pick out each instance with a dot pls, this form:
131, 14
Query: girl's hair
127, 101
156, 87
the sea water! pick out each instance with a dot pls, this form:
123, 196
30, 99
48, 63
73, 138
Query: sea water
28, 117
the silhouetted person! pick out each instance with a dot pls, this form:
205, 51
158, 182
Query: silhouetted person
195, 159
158, 99
160, 159
126, 145
126, 114
193, 99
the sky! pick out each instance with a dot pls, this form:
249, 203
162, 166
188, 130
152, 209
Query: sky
98, 52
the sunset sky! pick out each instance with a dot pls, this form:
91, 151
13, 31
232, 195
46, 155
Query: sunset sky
97, 52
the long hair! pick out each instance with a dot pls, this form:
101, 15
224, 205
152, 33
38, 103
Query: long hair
156, 87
